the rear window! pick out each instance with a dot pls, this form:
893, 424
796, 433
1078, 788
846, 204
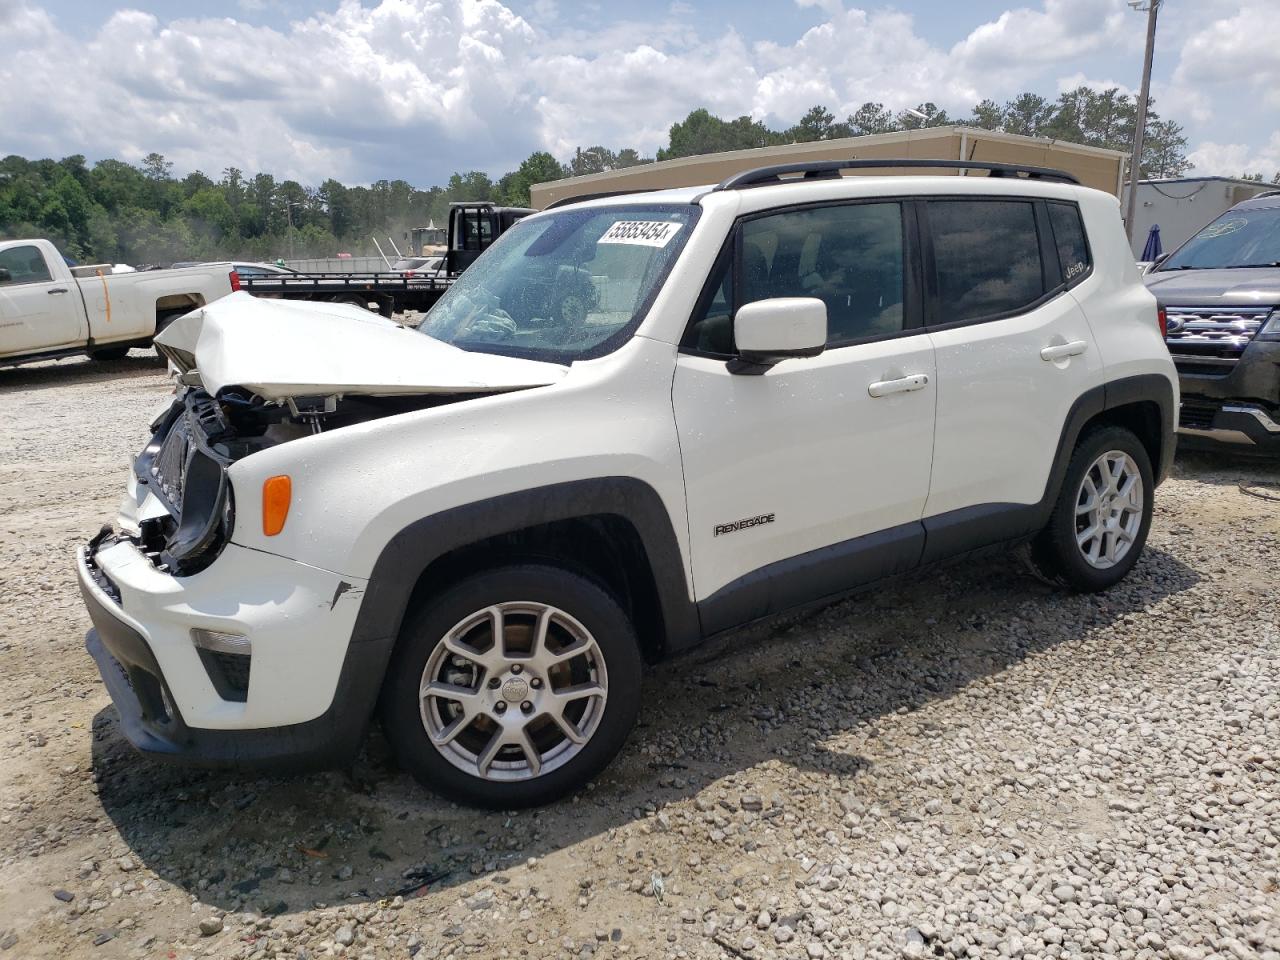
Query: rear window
987, 257
1068, 236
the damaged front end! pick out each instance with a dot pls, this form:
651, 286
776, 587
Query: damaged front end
184, 465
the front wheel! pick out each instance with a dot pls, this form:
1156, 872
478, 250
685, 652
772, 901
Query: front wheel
513, 688
1100, 522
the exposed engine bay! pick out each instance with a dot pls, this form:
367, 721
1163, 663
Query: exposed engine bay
194, 442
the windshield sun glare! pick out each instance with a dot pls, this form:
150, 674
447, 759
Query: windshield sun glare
564, 286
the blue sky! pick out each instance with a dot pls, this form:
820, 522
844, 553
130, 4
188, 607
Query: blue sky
367, 89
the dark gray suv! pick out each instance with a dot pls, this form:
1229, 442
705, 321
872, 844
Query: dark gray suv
1221, 293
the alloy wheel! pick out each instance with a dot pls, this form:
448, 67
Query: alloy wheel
1109, 508
513, 691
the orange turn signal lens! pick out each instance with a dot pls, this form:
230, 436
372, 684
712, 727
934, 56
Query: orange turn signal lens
276, 493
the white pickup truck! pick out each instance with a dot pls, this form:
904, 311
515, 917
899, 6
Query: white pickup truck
49, 310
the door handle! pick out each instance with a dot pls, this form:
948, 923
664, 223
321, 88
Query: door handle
883, 388
56, 290
1061, 351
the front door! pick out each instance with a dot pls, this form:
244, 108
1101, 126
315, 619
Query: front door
37, 312
812, 476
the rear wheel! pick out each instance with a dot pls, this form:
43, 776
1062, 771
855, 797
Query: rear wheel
513, 687
1100, 522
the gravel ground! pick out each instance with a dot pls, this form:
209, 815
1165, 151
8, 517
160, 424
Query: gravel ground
969, 765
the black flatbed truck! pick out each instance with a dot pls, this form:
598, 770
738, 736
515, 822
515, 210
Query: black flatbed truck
473, 226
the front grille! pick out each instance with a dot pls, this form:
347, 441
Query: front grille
1193, 417
1206, 341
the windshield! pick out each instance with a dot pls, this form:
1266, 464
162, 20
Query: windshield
565, 286
1238, 238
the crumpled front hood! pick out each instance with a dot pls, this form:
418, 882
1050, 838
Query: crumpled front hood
293, 348
1254, 287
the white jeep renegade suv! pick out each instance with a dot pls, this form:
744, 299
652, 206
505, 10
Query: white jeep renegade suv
635, 422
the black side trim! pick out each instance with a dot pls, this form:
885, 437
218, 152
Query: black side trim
413, 549
828, 572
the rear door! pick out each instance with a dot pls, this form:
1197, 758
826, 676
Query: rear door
809, 477
37, 312
1014, 352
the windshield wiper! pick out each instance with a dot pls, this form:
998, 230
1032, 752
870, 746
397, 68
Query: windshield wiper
1248, 266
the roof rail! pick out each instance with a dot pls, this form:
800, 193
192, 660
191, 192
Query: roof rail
830, 169
584, 197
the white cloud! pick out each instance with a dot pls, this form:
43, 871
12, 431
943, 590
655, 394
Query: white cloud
1234, 56
419, 88
1234, 159
1024, 39
1075, 80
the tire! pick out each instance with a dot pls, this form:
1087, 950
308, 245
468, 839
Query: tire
580, 617
1094, 549
110, 354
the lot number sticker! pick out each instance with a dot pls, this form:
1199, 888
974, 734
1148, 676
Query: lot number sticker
643, 233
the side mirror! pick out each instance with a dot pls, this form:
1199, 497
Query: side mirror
768, 331
5, 275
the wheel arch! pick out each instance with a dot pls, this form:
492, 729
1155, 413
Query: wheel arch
172, 305
615, 531
1143, 404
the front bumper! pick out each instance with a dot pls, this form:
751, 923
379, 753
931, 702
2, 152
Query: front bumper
310, 692
1239, 408
1243, 426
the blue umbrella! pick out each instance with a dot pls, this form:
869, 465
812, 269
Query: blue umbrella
1153, 248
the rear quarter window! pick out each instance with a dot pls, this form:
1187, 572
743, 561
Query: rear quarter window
1069, 238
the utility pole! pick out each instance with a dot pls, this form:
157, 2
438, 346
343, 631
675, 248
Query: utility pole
1152, 8
288, 212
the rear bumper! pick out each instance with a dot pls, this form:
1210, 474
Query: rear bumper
168, 703
1244, 426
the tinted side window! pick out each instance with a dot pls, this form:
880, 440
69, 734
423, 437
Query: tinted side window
987, 256
1068, 235
24, 265
849, 257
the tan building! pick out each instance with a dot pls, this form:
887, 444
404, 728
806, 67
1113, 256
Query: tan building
1093, 166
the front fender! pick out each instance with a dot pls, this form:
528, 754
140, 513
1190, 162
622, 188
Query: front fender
410, 552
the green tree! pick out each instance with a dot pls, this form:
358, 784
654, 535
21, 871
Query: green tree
1164, 150
538, 167
818, 123
988, 115
872, 118
592, 160
701, 132
627, 157
1027, 115
156, 166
